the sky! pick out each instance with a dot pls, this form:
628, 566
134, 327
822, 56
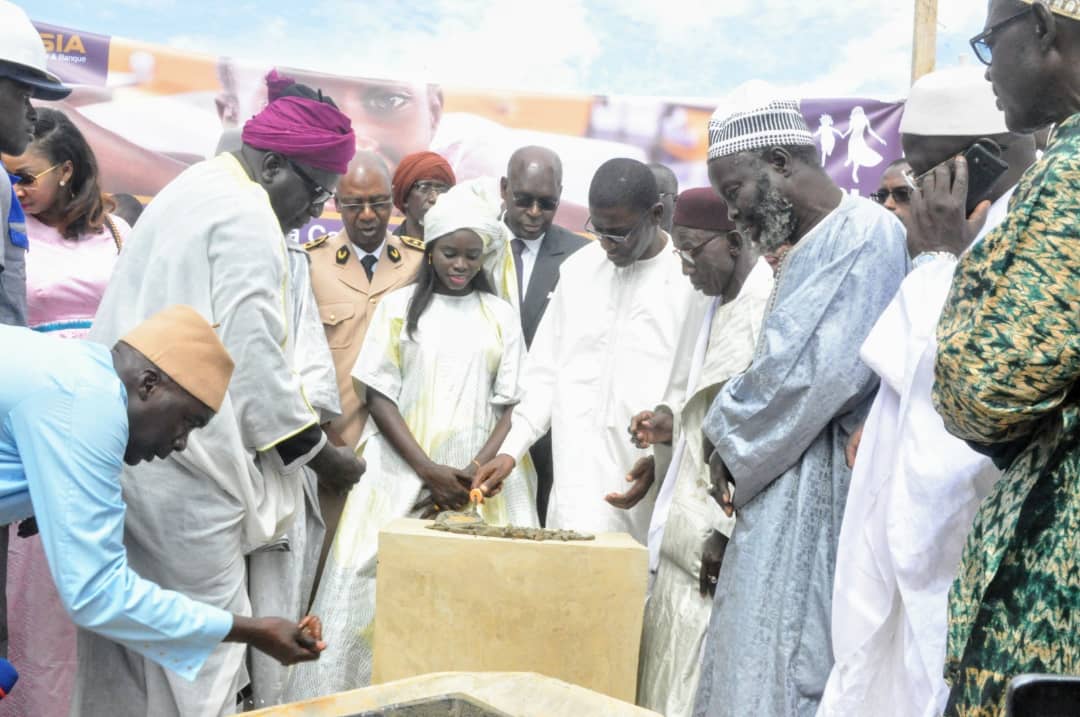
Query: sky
673, 48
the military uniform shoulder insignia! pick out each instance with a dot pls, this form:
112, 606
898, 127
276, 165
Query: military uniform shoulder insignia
342, 255
393, 254
412, 242
318, 241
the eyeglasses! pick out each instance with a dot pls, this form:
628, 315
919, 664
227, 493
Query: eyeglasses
615, 238
981, 42
319, 193
689, 256
25, 179
526, 201
430, 188
900, 195
358, 207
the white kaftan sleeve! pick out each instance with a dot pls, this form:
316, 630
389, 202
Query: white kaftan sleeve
314, 361
379, 364
249, 271
807, 370
506, 390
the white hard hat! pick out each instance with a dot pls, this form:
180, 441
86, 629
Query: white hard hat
22, 55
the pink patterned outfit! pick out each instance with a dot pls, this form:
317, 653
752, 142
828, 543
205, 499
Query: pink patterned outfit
65, 279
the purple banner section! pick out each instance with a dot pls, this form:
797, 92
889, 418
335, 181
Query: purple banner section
77, 57
858, 139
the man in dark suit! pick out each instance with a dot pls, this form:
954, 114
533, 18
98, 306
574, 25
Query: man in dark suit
531, 190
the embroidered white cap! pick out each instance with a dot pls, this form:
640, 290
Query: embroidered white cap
757, 125
957, 102
22, 55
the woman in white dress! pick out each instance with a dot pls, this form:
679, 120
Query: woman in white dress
860, 153
439, 367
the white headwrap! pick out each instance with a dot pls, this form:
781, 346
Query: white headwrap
756, 125
476, 205
957, 102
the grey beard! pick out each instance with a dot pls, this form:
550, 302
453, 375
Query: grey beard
776, 219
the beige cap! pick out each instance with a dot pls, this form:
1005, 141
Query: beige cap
180, 342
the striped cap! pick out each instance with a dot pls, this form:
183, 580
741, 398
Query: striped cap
776, 124
1068, 8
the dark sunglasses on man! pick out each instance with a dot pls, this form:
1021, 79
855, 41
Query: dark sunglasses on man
526, 201
900, 195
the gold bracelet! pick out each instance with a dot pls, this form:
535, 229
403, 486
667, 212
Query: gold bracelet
476, 463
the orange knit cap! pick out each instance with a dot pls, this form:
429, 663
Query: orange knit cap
180, 342
417, 167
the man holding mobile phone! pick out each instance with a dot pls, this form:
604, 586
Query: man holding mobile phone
915, 488
1007, 369
955, 115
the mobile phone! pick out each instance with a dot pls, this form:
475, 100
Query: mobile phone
1043, 696
985, 167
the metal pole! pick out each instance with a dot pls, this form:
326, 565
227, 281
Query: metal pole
924, 41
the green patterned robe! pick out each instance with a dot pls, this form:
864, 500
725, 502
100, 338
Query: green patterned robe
1008, 360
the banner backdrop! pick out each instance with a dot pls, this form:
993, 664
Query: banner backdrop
149, 111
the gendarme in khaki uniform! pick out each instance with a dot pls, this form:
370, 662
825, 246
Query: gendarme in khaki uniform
347, 302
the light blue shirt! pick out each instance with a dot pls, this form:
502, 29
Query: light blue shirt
63, 433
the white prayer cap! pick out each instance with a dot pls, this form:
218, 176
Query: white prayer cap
957, 102
751, 122
476, 205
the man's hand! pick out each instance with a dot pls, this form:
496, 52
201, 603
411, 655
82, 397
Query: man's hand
936, 220
642, 476
338, 468
285, 641
449, 486
851, 451
712, 555
651, 427
489, 477
721, 482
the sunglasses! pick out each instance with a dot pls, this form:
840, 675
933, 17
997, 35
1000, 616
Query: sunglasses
25, 179
615, 238
900, 195
526, 201
981, 42
319, 193
358, 207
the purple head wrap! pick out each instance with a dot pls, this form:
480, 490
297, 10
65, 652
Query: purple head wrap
308, 131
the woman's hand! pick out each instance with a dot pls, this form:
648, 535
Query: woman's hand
449, 486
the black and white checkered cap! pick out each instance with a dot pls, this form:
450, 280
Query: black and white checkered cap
776, 124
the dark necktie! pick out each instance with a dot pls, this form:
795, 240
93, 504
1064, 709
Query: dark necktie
369, 265
518, 246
